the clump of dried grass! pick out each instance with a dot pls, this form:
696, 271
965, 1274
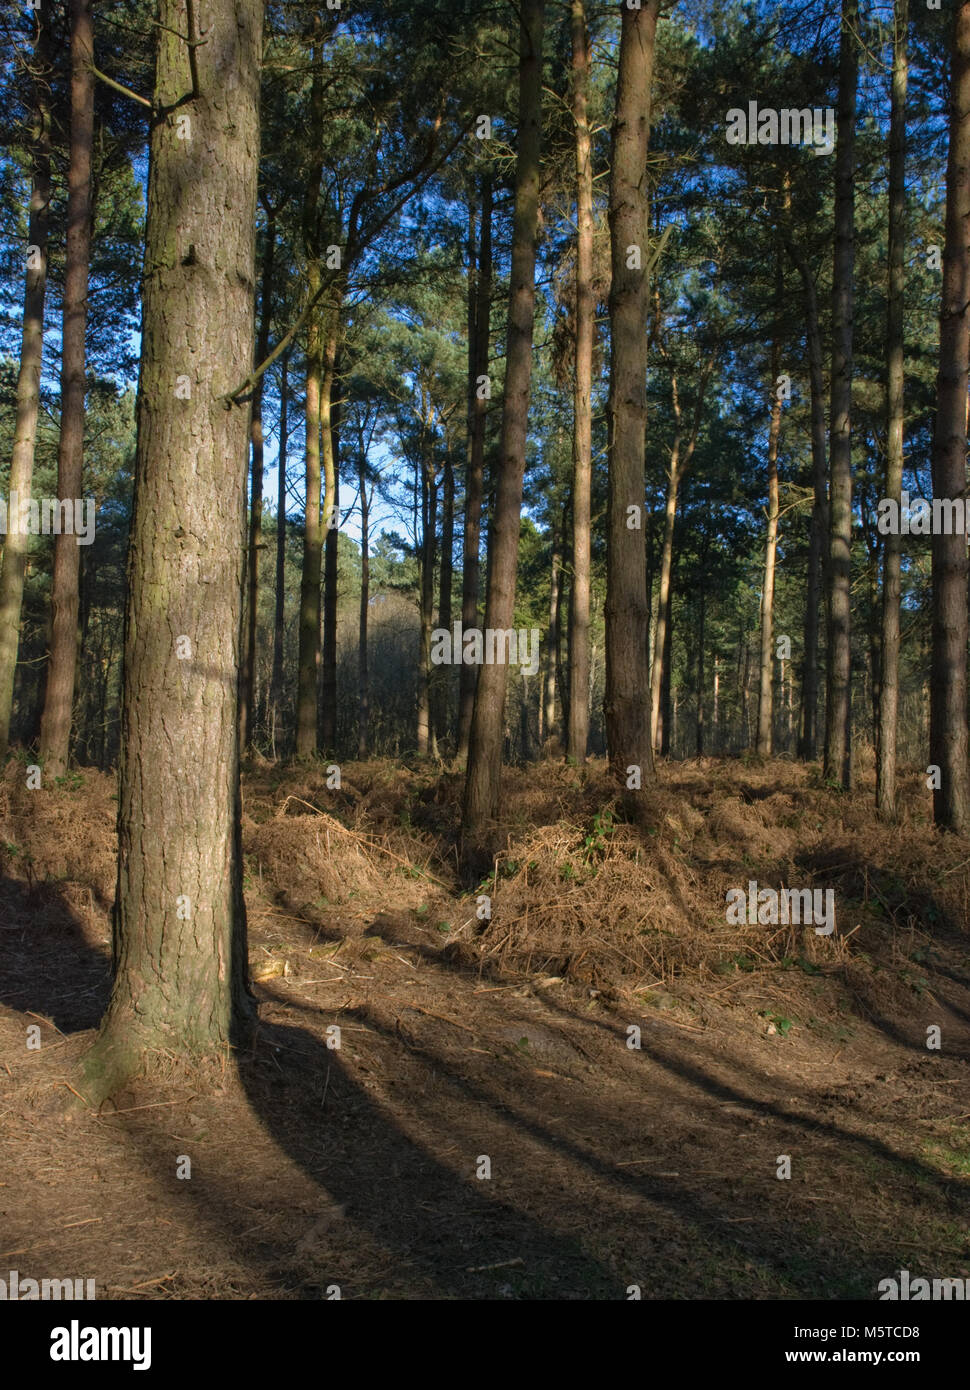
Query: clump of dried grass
63, 835
613, 905
649, 907
627, 911
313, 856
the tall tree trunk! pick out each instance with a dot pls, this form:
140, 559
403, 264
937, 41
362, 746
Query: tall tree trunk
330, 420
578, 736
680, 462
363, 677
665, 682
180, 925
948, 668
552, 639
745, 669
429, 498
276, 684
485, 745
16, 547
256, 503
627, 618
55, 729
309, 656
479, 324
838, 704
808, 720
666, 570
308, 661
873, 671
562, 674
700, 671
765, 685
441, 674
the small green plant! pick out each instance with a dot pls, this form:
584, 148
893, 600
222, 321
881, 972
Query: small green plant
919, 984
781, 1024
739, 961
597, 841
924, 955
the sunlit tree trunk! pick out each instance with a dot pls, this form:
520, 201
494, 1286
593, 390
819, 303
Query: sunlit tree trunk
628, 730
330, 429
552, 640
276, 684
55, 728
180, 926
578, 734
895, 420
479, 321
309, 654
441, 689
948, 669
363, 675
818, 530
765, 684
16, 545
256, 497
838, 705
485, 747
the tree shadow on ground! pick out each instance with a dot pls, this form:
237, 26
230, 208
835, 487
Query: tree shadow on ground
434, 1218
562, 1217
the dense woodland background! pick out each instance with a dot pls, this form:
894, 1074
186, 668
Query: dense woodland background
359, 321
370, 143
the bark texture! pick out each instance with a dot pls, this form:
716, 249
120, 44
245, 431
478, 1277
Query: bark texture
16, 544
485, 746
180, 926
627, 617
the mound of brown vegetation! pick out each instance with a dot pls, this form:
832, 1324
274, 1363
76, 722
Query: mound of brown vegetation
575, 893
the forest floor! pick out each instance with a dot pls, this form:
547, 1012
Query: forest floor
361, 1166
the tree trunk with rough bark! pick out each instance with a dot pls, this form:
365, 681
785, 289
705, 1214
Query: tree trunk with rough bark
818, 531
838, 704
55, 728
441, 676
331, 456
429, 510
17, 542
276, 683
578, 735
363, 676
309, 652
895, 422
680, 463
485, 745
627, 717
765, 684
552, 642
180, 957
479, 329
948, 666
256, 503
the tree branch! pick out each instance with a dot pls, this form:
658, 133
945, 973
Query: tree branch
125, 91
